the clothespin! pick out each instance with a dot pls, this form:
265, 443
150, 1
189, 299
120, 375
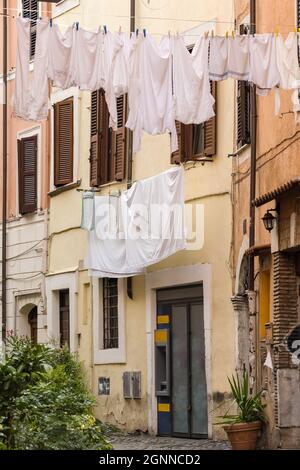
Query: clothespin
277, 32
298, 30
212, 33
105, 29
232, 34
137, 32
226, 34
144, 32
51, 22
295, 30
77, 25
120, 29
206, 34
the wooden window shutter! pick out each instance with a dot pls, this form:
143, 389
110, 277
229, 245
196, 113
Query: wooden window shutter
27, 163
30, 10
178, 156
243, 113
243, 106
210, 127
99, 139
119, 140
95, 140
63, 142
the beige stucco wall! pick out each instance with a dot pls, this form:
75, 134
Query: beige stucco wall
208, 184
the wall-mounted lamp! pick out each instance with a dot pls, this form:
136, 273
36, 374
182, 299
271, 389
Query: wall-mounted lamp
269, 219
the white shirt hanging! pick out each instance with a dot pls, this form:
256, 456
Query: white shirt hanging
263, 64
60, 57
192, 98
150, 92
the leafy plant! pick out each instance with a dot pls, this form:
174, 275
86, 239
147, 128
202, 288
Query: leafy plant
44, 400
250, 407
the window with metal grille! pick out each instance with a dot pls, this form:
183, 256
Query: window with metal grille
30, 10
64, 318
110, 314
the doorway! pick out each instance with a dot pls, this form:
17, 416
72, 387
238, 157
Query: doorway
180, 363
32, 320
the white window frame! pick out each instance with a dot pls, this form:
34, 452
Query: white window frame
33, 131
63, 6
108, 356
56, 97
54, 284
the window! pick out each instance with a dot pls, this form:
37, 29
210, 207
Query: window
63, 142
110, 314
196, 141
30, 10
64, 318
243, 106
27, 163
108, 147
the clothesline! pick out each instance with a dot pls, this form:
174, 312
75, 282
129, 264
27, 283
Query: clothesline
153, 74
199, 21
65, 25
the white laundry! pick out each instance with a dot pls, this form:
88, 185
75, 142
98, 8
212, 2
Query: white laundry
106, 243
263, 64
60, 57
38, 105
150, 91
288, 67
218, 58
238, 57
268, 362
87, 59
287, 61
192, 98
142, 227
88, 211
154, 218
22, 82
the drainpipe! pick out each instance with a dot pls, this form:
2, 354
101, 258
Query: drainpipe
129, 166
4, 169
253, 128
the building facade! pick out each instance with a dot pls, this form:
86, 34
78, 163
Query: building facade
27, 208
137, 336
268, 315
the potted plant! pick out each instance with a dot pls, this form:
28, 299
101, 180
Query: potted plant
244, 427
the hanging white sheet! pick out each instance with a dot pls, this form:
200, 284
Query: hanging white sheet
142, 227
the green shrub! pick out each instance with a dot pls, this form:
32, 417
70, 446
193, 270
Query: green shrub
45, 403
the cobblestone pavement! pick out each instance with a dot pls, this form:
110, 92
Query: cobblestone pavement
146, 442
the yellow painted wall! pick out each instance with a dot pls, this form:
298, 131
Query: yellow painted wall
209, 184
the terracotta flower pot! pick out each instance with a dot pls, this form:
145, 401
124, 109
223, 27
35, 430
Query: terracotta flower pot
243, 436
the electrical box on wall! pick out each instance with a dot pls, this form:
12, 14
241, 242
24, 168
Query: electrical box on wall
132, 385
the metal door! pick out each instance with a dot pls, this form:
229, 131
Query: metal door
188, 390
